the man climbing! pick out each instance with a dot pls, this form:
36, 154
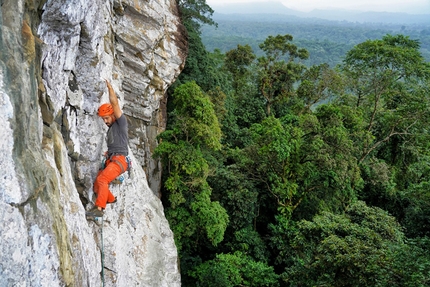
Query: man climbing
116, 162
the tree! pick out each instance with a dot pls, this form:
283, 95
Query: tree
238, 62
358, 248
389, 83
201, 66
244, 105
277, 77
389, 80
307, 158
229, 270
195, 12
318, 85
274, 156
185, 149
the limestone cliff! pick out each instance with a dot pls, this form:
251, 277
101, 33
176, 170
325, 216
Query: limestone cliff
54, 57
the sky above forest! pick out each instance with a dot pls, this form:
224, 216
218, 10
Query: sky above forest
407, 6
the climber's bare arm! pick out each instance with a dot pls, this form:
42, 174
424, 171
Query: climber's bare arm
113, 99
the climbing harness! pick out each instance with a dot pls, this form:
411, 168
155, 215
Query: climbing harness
120, 179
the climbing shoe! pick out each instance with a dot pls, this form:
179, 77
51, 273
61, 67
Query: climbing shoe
93, 213
114, 201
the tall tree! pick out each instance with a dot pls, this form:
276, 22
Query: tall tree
277, 76
305, 158
389, 80
238, 62
318, 85
185, 149
195, 12
245, 105
201, 66
362, 247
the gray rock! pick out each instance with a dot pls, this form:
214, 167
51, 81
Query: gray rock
55, 56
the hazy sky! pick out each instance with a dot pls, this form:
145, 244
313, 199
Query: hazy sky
407, 6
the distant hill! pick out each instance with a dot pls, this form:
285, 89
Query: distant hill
334, 15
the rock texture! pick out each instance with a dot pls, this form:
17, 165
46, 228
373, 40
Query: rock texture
54, 57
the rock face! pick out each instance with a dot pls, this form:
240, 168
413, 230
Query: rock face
54, 57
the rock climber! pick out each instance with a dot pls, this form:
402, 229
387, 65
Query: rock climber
116, 162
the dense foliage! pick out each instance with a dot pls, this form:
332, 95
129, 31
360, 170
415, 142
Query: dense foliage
278, 173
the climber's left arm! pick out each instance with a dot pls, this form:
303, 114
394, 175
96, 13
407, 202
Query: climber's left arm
113, 99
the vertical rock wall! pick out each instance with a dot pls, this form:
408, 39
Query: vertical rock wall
54, 57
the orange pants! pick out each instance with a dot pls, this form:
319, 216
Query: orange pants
114, 166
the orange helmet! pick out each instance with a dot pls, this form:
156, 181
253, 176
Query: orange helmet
105, 110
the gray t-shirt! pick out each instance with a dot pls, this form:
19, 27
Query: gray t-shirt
117, 137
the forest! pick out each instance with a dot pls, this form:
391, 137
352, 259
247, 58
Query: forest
281, 172
327, 41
